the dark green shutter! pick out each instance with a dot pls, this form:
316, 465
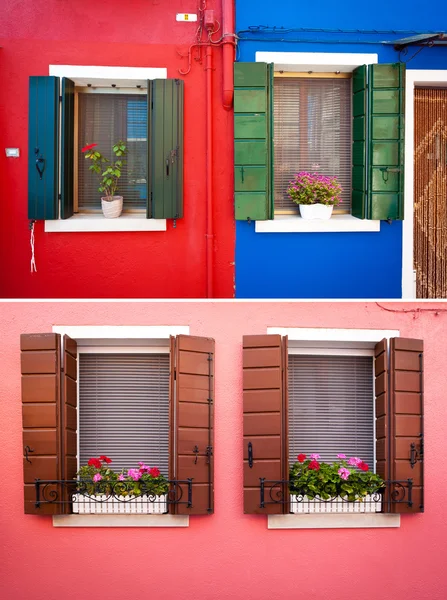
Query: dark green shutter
359, 128
43, 144
378, 142
67, 148
253, 141
165, 149
386, 141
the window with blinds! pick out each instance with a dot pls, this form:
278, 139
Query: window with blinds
104, 119
124, 409
331, 407
312, 132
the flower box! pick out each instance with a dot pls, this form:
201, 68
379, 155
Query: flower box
119, 505
305, 505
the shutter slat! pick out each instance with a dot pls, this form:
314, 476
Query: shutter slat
67, 148
124, 407
253, 141
312, 133
43, 143
165, 133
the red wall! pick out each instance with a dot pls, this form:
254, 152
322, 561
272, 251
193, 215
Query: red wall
140, 33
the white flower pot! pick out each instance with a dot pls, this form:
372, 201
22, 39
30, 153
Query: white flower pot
112, 208
120, 505
304, 505
316, 211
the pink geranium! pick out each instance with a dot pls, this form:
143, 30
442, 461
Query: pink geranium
97, 477
344, 473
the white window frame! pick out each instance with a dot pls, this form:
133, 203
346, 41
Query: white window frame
104, 76
332, 341
413, 78
119, 338
317, 62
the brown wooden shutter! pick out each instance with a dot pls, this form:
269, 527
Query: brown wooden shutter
192, 421
49, 418
399, 421
265, 421
406, 423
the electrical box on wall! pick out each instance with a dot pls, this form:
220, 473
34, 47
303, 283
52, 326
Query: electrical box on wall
209, 19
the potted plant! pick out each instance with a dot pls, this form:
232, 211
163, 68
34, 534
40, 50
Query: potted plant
109, 174
346, 485
131, 491
315, 194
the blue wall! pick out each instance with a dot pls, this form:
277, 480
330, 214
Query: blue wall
330, 265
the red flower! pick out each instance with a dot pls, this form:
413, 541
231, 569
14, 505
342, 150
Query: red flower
362, 465
94, 462
154, 472
105, 459
314, 465
301, 457
88, 147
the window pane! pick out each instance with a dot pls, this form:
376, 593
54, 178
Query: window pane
105, 119
124, 409
312, 132
331, 407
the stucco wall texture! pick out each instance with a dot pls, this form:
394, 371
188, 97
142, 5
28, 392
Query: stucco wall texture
228, 554
167, 264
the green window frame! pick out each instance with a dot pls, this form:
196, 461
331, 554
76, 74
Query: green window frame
377, 138
51, 148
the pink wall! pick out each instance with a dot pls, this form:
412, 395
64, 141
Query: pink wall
171, 264
227, 554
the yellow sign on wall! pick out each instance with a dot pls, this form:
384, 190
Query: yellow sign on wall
186, 17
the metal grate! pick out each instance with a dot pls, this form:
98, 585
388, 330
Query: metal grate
124, 409
105, 119
312, 132
331, 408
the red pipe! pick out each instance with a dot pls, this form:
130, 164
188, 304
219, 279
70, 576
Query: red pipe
228, 52
209, 174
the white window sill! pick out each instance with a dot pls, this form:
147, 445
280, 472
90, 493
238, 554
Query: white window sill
121, 521
331, 521
91, 223
336, 224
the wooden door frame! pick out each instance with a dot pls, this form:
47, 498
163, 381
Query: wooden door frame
414, 78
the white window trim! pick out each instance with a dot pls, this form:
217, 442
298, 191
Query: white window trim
413, 78
111, 338
316, 62
102, 76
332, 341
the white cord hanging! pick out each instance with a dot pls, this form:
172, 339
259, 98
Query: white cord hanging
33, 260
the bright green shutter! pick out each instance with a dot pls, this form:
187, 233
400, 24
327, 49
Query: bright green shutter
359, 128
165, 145
386, 141
67, 147
43, 144
253, 141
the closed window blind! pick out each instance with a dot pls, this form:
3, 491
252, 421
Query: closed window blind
104, 119
124, 409
312, 132
331, 407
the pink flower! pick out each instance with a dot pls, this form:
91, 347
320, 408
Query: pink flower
344, 473
97, 477
354, 461
134, 473
315, 456
341, 456
121, 477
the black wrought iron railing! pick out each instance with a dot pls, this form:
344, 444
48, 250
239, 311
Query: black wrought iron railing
281, 492
118, 497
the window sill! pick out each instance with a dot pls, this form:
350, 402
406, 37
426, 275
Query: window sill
331, 521
336, 224
121, 521
92, 223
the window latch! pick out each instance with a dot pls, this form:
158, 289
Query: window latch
196, 452
28, 449
250, 455
40, 163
